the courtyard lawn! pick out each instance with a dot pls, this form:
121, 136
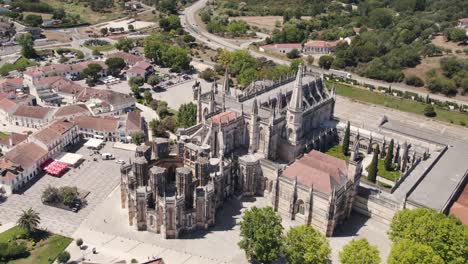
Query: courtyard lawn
382, 172
405, 105
46, 246
337, 152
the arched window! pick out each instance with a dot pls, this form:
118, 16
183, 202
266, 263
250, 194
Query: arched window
300, 208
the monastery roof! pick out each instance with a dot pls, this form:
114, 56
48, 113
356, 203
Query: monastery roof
7, 105
71, 110
460, 206
13, 139
26, 155
319, 171
107, 124
283, 46
224, 117
320, 43
128, 58
33, 111
53, 132
133, 123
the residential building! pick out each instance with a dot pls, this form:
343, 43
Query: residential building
106, 128
281, 48
319, 47
69, 112
463, 22
56, 137
11, 140
130, 59
140, 69
31, 116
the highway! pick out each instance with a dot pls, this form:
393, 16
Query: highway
190, 23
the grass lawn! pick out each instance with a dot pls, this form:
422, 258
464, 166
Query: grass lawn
47, 246
401, 104
382, 172
20, 65
3, 135
337, 152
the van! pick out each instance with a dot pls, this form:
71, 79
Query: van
107, 156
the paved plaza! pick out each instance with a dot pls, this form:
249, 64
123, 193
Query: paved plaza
97, 177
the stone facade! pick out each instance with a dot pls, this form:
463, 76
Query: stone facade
242, 145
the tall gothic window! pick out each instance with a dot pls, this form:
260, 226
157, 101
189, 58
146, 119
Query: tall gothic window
300, 208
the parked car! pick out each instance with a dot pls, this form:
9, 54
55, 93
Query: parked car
107, 156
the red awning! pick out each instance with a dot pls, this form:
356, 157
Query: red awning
56, 168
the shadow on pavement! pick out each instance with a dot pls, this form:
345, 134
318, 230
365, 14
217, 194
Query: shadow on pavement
351, 226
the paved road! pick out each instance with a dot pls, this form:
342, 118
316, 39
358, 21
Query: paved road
190, 23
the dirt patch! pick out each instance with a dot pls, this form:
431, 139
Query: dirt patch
427, 64
57, 36
263, 22
441, 42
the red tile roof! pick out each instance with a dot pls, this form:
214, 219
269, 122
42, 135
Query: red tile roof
13, 139
33, 111
320, 44
129, 59
283, 46
53, 132
108, 124
133, 123
319, 171
26, 155
7, 105
72, 110
224, 117
460, 206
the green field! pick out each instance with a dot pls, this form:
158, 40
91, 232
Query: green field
46, 246
405, 105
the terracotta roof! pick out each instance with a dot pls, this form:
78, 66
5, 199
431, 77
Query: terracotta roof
13, 139
47, 81
11, 84
110, 97
53, 132
283, 46
72, 110
463, 20
108, 124
224, 117
136, 70
129, 59
26, 155
7, 105
318, 170
133, 123
460, 206
143, 64
33, 111
61, 68
320, 43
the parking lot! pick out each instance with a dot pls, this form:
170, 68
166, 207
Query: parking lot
98, 177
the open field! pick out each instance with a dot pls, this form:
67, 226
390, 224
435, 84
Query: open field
263, 22
46, 246
440, 41
53, 35
44, 16
427, 64
401, 104
86, 14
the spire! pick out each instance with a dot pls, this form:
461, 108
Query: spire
296, 98
224, 102
334, 90
226, 83
255, 107
221, 141
214, 87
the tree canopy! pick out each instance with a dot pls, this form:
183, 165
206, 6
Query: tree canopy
410, 252
305, 245
115, 65
261, 234
359, 252
444, 234
174, 57
187, 115
26, 42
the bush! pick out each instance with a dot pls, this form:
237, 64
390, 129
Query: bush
63, 257
293, 54
429, 111
207, 75
414, 81
326, 61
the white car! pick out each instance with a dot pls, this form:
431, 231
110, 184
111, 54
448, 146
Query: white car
119, 161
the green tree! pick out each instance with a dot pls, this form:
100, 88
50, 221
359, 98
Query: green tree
137, 80
260, 231
33, 20
410, 252
79, 242
63, 257
293, 54
138, 138
346, 138
162, 109
68, 194
372, 170
147, 96
125, 44
26, 42
208, 75
153, 80
429, 111
59, 13
446, 235
131, 27
456, 34
169, 23
50, 194
325, 61
187, 115
104, 31
305, 245
115, 65
169, 123
157, 128
359, 252
29, 221
91, 73
381, 17
389, 157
